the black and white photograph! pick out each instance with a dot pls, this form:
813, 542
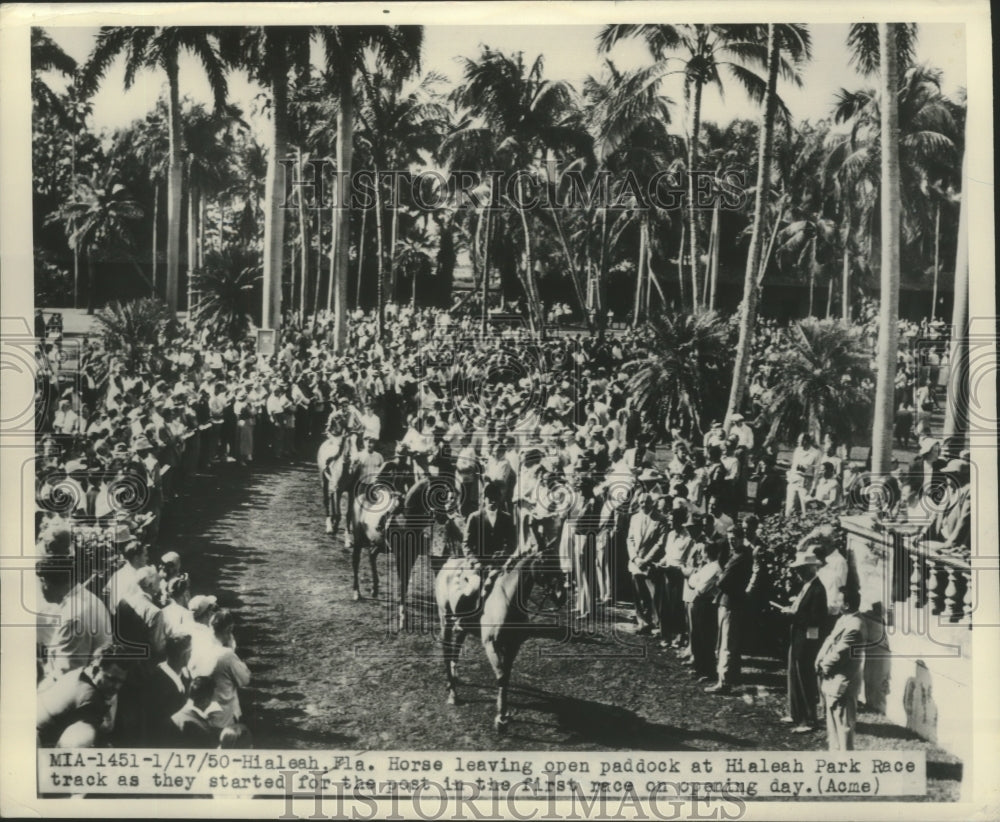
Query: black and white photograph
541, 402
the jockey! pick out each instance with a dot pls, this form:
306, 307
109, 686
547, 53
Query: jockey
490, 535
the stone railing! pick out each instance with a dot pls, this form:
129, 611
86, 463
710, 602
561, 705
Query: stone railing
916, 604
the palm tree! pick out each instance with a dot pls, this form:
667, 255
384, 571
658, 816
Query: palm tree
225, 285
97, 223
795, 41
47, 55
627, 119
133, 333
396, 131
345, 48
927, 146
686, 371
822, 382
270, 54
884, 49
518, 117
160, 47
707, 50
807, 240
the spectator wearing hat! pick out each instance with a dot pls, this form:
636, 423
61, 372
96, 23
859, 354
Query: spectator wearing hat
839, 665
243, 410
808, 617
669, 600
801, 474
742, 431
700, 594
925, 475
82, 697
82, 624
278, 408
139, 617
645, 535
951, 525
731, 602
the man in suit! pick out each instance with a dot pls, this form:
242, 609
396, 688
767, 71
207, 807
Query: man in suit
168, 689
490, 531
731, 601
808, 613
839, 664
645, 536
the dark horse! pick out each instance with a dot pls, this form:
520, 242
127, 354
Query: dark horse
385, 520
503, 619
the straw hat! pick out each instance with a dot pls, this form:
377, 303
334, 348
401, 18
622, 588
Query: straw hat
805, 558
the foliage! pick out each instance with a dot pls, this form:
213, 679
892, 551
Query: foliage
53, 283
133, 333
225, 286
687, 370
823, 381
781, 536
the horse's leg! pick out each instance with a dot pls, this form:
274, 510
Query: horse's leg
405, 560
355, 562
335, 509
501, 660
373, 565
326, 501
452, 647
350, 518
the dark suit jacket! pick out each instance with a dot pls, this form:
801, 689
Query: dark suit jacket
164, 700
734, 579
811, 612
483, 539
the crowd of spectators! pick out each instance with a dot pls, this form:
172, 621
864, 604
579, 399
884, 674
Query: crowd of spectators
543, 433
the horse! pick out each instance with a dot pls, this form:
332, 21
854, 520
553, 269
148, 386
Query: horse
386, 520
333, 459
502, 617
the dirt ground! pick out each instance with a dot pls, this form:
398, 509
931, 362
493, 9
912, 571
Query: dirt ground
332, 673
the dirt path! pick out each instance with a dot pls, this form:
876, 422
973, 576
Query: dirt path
332, 673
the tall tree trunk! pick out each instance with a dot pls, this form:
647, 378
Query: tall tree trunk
748, 311
692, 209
156, 216
888, 329
361, 258
303, 243
274, 215
937, 247
488, 215
175, 173
91, 283
829, 297
845, 288
379, 256
766, 261
714, 258
680, 266
331, 283
393, 234
201, 230
342, 223
318, 289
640, 270
956, 418
192, 242
535, 320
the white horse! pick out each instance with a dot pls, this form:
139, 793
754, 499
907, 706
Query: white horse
333, 460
